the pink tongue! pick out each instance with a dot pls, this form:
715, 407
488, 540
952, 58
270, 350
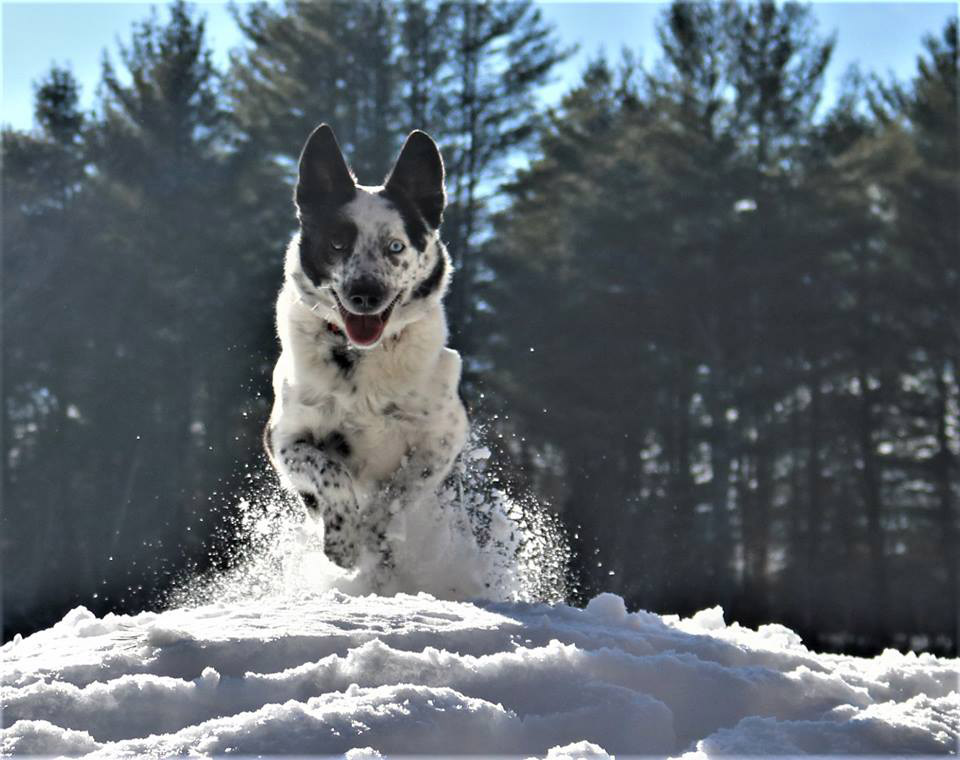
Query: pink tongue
364, 329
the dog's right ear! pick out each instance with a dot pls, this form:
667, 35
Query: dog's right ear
325, 178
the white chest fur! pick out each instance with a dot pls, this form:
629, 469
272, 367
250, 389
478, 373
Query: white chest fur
385, 402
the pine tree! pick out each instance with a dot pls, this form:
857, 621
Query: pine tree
503, 52
45, 231
924, 191
165, 188
307, 63
632, 212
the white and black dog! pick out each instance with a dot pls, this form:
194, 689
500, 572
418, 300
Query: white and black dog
367, 414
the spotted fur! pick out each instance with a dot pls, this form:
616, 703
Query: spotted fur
359, 432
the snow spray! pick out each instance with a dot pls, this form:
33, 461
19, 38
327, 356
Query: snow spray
470, 540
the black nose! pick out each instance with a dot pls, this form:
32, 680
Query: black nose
366, 295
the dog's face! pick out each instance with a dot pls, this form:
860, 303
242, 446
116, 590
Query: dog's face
369, 259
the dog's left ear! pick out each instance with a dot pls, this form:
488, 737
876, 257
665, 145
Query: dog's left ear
418, 174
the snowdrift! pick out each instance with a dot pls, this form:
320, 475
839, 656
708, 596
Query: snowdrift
326, 673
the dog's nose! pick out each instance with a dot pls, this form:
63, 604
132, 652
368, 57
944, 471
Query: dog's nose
366, 295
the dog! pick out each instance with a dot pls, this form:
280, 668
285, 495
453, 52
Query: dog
367, 416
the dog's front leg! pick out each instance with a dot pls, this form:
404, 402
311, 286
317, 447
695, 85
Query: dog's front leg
421, 473
432, 453
326, 489
426, 464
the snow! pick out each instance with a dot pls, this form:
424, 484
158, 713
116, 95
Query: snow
312, 672
471, 540
282, 653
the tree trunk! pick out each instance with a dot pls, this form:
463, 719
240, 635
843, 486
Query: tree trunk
943, 465
873, 506
812, 553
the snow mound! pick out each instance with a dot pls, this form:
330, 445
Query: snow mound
325, 673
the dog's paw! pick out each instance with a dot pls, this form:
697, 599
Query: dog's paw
342, 551
376, 563
340, 520
382, 575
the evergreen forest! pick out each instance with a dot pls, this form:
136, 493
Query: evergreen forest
708, 319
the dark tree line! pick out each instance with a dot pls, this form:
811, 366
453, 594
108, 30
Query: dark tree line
743, 324
718, 330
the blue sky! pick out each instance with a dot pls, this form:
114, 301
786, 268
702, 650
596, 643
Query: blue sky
882, 37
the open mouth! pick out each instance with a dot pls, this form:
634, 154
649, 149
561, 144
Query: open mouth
365, 329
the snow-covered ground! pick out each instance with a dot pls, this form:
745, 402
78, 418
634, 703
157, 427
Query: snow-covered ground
283, 653
327, 673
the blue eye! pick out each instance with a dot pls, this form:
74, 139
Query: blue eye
395, 246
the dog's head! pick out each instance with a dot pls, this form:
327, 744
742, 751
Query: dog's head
369, 259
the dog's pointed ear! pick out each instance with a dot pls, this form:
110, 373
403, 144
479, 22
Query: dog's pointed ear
325, 178
418, 174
